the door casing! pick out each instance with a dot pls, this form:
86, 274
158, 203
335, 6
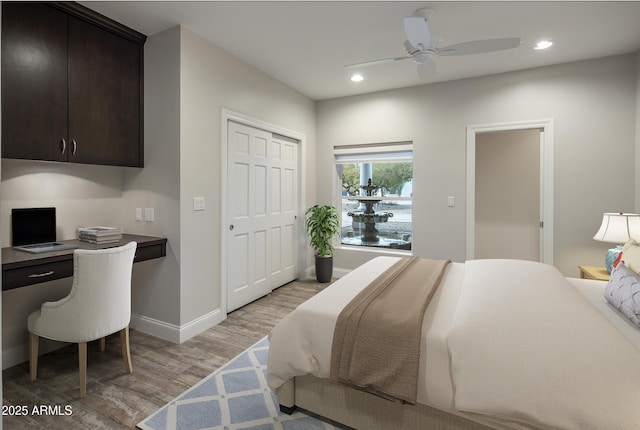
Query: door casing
546, 176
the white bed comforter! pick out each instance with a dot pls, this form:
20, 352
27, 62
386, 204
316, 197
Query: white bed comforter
527, 348
301, 343
519, 342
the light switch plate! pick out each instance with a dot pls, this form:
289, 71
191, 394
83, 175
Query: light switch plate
138, 214
149, 214
451, 201
198, 203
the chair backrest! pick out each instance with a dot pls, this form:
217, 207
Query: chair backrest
101, 291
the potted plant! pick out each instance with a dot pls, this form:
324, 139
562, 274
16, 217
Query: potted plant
323, 224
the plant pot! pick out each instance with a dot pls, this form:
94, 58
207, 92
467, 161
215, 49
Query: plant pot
324, 268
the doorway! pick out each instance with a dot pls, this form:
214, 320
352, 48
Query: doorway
510, 191
507, 211
262, 195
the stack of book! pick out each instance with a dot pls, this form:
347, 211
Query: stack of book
99, 235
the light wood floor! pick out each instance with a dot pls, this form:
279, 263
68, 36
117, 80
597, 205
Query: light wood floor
161, 370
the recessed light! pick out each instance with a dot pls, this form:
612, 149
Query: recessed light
357, 78
543, 45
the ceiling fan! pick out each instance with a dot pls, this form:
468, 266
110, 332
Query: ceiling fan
421, 49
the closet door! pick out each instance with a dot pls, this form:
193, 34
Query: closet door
248, 239
262, 208
284, 210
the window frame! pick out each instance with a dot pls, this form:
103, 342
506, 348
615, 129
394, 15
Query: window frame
373, 153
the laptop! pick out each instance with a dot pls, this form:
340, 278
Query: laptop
34, 230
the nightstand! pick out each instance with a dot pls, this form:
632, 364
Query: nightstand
594, 272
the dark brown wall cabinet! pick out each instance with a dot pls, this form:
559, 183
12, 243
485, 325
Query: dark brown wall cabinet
72, 86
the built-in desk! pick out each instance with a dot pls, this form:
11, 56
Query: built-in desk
21, 268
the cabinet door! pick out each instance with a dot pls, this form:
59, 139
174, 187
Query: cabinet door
34, 82
104, 97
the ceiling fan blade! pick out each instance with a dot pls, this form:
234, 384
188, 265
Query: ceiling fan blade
374, 62
417, 32
426, 66
479, 46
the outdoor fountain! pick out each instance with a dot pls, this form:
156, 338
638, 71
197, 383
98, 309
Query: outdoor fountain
369, 217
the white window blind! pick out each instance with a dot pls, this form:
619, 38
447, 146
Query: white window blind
378, 152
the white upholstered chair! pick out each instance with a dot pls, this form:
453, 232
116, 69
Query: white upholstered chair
98, 305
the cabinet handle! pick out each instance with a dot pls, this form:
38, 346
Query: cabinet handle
75, 146
40, 275
63, 145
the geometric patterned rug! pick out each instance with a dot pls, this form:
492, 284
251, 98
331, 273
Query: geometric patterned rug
236, 396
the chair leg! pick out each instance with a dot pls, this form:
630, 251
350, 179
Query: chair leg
102, 344
82, 361
33, 356
126, 351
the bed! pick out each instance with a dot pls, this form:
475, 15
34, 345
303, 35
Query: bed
505, 344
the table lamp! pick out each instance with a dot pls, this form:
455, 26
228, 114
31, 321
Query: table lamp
617, 228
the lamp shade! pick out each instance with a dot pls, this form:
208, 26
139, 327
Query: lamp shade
619, 228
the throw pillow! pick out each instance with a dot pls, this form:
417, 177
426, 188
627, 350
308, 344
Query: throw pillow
631, 255
623, 292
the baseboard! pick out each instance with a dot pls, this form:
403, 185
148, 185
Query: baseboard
174, 333
154, 327
205, 322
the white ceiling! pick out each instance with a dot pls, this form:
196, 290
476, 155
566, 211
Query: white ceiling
306, 44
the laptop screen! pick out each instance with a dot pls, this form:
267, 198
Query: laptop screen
33, 225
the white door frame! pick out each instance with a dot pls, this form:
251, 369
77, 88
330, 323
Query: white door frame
229, 115
546, 178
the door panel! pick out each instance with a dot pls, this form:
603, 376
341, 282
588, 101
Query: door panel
262, 212
288, 254
238, 279
247, 215
276, 245
260, 275
284, 208
260, 191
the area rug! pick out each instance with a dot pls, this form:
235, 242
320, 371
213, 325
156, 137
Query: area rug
236, 396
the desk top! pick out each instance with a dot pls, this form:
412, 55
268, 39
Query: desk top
12, 259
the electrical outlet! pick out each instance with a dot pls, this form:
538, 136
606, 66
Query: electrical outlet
149, 214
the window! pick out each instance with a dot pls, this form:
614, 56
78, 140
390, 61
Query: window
376, 189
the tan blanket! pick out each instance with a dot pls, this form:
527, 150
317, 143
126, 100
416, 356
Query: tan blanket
376, 343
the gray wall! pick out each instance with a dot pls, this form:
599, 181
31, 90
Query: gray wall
592, 104
183, 111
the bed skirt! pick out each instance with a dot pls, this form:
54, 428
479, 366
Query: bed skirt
362, 410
